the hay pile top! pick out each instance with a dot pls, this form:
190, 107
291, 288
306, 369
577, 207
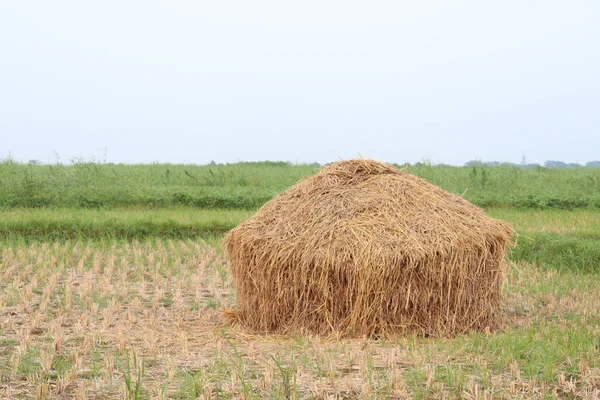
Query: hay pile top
339, 251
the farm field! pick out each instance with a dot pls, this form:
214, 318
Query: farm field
249, 185
553, 237
126, 300
40, 221
143, 319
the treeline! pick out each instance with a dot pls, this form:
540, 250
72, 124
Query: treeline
249, 185
547, 164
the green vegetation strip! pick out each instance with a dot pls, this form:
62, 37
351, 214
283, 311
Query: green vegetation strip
65, 223
577, 222
555, 238
563, 252
552, 238
249, 185
92, 185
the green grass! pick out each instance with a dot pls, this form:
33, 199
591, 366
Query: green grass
559, 251
555, 238
581, 223
69, 223
536, 188
57, 223
249, 185
92, 185
550, 238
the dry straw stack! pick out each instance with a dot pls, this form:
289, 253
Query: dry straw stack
362, 248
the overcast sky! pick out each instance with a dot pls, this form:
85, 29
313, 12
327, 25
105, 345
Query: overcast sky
304, 81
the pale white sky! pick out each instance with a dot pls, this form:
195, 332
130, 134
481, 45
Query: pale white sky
400, 81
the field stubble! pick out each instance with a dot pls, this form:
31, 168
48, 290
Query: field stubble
560, 239
143, 319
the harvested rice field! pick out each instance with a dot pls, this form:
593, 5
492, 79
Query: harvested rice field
115, 288
114, 319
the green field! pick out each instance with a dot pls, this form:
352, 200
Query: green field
249, 185
113, 285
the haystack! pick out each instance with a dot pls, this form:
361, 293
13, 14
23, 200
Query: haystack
362, 248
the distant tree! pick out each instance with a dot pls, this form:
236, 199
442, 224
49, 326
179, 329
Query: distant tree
474, 163
34, 162
595, 164
533, 165
555, 164
560, 164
